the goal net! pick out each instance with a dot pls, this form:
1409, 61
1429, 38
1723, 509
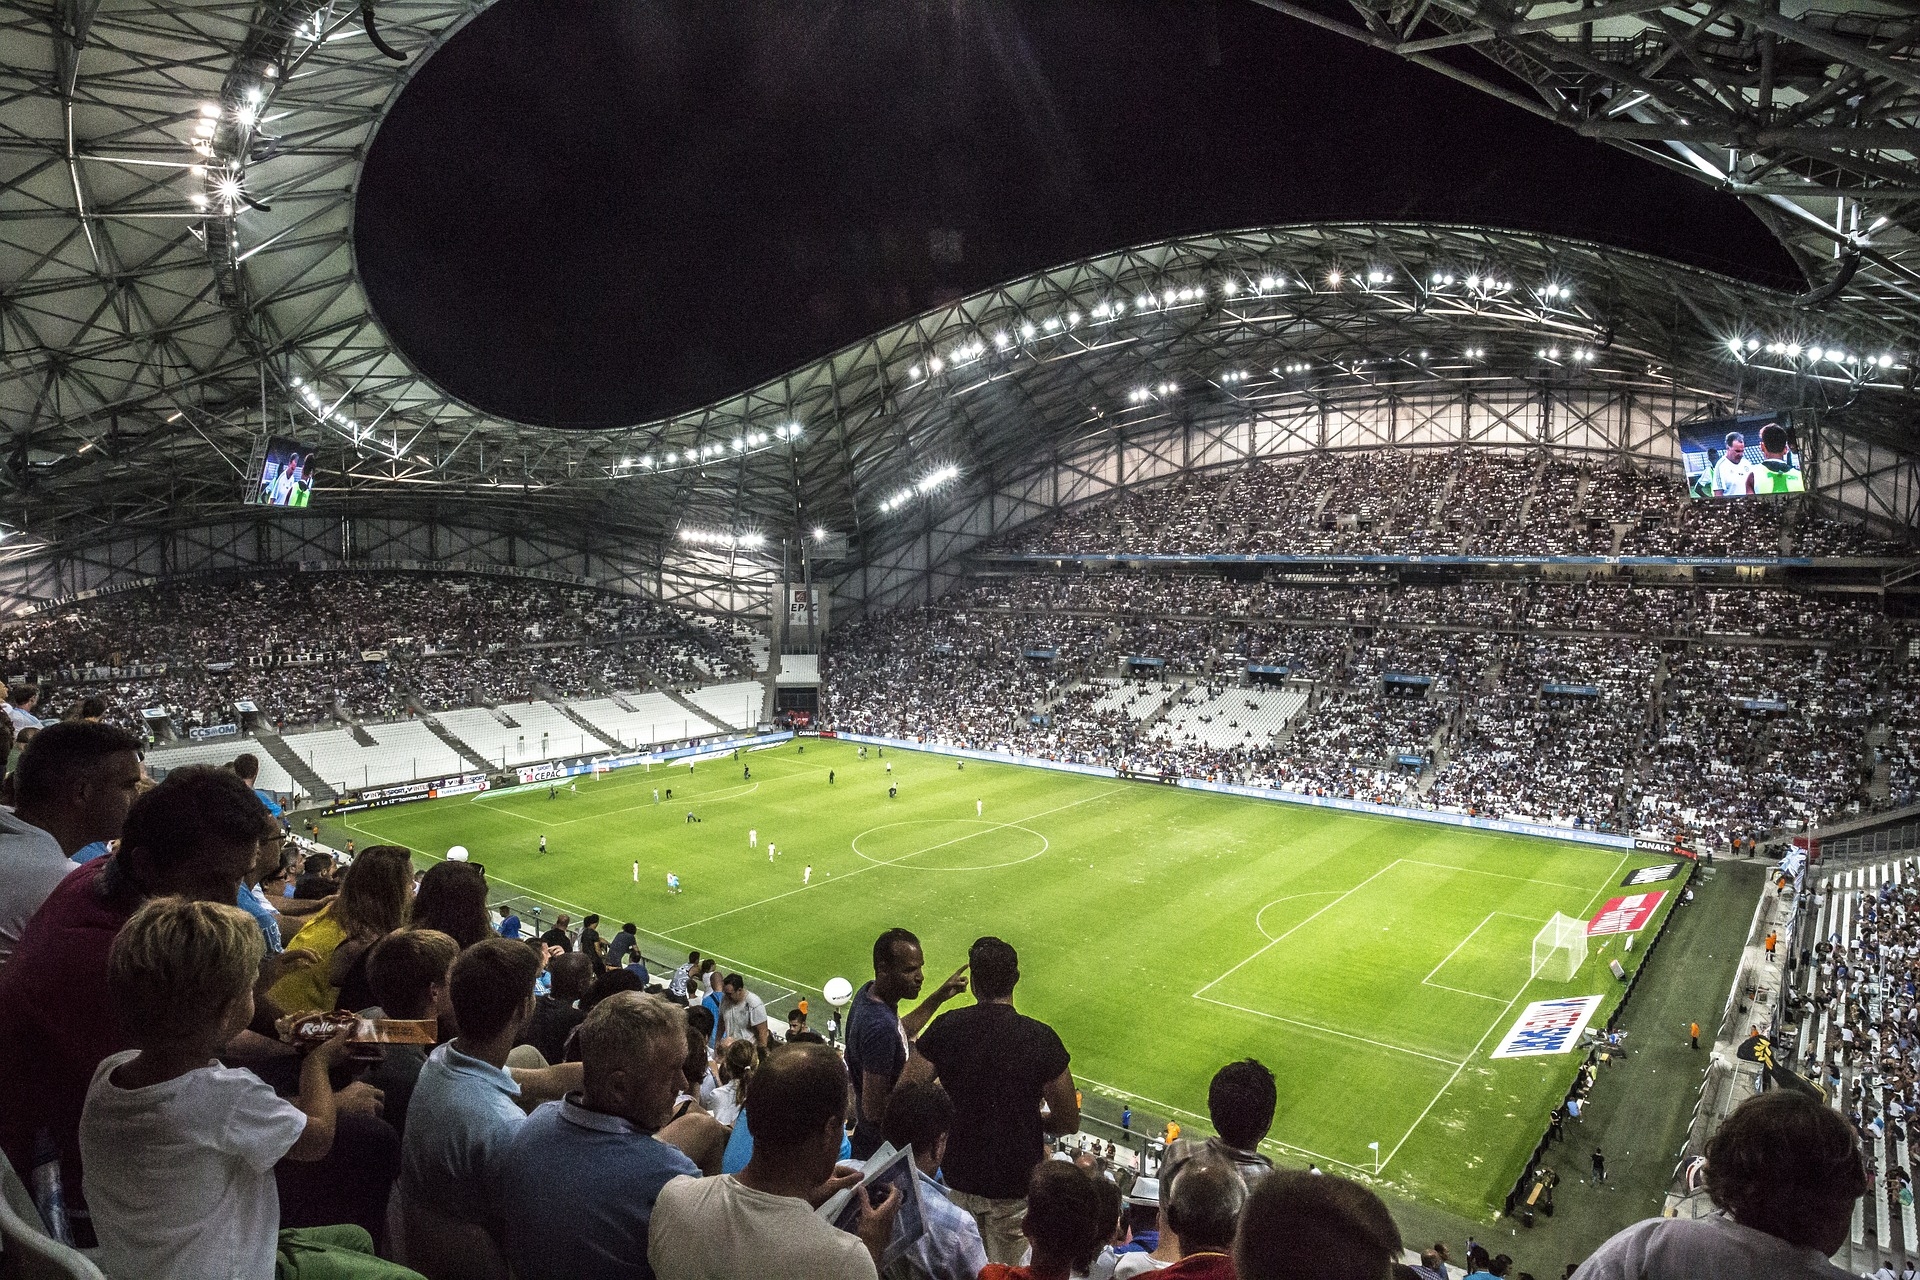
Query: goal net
1560, 949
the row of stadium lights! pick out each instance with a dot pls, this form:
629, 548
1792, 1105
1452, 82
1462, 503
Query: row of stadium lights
1106, 312
732, 541
1743, 348
920, 488
220, 184
699, 455
319, 407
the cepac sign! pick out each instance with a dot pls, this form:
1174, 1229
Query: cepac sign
1548, 1027
1625, 915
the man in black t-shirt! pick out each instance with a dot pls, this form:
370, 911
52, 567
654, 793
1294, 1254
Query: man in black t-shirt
557, 936
591, 946
879, 1036
998, 1066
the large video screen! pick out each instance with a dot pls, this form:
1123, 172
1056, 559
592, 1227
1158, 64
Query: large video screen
286, 476
1751, 456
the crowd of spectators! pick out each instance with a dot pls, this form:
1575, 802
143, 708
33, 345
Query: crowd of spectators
544, 1106
1774, 707
1461, 501
311, 648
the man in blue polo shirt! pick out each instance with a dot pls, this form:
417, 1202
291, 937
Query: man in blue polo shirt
464, 1112
592, 1161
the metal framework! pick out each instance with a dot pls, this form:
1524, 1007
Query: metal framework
1807, 110
177, 279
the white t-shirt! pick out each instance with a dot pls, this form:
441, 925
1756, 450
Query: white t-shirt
740, 1019
1730, 476
32, 865
1711, 1248
179, 1175
1137, 1264
717, 1229
726, 1103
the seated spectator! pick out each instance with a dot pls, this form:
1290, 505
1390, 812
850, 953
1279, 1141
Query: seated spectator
593, 1162
194, 835
71, 789
762, 1218
180, 1150
371, 904
411, 974
22, 699
1064, 1226
453, 899
921, 1116
1203, 1199
738, 1058
316, 881
1240, 1102
464, 1109
1293, 1215
554, 1014
998, 1066
1784, 1170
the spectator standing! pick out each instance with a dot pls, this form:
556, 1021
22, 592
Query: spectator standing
1063, 1225
180, 1150
761, 1220
743, 1015
879, 1037
510, 925
1340, 1225
247, 766
1240, 1102
999, 1066
72, 788
411, 974
592, 946
464, 1110
681, 984
22, 699
558, 935
921, 1116
1784, 1170
593, 1161
625, 943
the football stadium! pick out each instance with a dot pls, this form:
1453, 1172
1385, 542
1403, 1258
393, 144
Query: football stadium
1170, 712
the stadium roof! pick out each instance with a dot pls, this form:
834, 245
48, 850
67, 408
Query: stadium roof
177, 281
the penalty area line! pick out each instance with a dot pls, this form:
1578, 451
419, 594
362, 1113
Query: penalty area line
1331, 1031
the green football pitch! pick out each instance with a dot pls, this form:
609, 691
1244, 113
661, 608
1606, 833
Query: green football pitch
1373, 963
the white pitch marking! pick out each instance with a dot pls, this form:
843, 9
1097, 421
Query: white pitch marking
1344, 1035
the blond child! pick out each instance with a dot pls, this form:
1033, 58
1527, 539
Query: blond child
178, 1150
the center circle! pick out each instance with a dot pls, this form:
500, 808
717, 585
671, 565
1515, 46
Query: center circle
949, 844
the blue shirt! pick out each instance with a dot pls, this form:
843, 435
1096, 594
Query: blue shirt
273, 806
951, 1249
712, 1004
98, 849
510, 927
578, 1188
740, 1147
459, 1122
877, 1044
269, 925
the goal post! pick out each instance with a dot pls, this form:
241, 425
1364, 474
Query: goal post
1560, 949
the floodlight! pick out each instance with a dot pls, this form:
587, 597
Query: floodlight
210, 110
1001, 340
1885, 361
913, 371
936, 364
1073, 318
1267, 282
1229, 288
1333, 278
1053, 322
1793, 349
819, 534
1026, 329
1473, 282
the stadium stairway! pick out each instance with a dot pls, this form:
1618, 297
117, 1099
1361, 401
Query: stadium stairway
466, 751
692, 708
581, 720
297, 769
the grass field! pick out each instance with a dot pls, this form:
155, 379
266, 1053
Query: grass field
1373, 963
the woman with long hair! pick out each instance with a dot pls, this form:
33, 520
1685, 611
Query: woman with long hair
453, 899
372, 903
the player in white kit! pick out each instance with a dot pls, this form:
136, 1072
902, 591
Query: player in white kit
753, 838
806, 877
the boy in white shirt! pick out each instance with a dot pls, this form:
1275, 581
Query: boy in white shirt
179, 1151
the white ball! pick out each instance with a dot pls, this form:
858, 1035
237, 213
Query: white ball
457, 854
838, 991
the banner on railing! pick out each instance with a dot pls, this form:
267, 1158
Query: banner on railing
213, 731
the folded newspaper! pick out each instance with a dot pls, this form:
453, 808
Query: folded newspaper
885, 1167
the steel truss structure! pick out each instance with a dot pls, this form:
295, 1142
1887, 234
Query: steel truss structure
177, 280
1807, 110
